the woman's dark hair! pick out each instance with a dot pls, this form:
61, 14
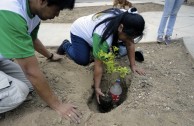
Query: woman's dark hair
133, 24
62, 4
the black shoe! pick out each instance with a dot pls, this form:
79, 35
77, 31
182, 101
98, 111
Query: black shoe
60, 50
139, 56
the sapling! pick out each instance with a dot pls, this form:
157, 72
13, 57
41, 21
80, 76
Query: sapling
111, 66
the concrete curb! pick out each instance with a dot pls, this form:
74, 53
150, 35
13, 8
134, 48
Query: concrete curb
189, 44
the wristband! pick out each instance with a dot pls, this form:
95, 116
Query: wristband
50, 56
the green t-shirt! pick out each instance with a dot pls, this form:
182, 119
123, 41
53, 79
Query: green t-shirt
15, 38
97, 46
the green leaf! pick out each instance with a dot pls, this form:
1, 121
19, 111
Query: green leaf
110, 64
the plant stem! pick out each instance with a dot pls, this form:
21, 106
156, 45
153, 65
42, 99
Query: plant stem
109, 84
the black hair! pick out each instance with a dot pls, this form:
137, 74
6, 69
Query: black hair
62, 4
133, 24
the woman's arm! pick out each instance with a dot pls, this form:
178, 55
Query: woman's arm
98, 71
98, 64
131, 56
131, 53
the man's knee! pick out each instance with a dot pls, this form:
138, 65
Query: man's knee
13, 94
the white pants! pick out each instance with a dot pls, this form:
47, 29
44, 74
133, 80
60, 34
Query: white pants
13, 90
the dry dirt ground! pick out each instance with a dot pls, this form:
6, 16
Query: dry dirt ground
68, 16
164, 97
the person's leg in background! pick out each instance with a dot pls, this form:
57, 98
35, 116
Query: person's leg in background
78, 50
166, 13
173, 15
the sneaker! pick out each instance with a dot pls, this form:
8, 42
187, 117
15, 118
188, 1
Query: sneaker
60, 50
160, 39
167, 39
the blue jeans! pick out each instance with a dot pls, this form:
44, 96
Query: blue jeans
78, 50
171, 9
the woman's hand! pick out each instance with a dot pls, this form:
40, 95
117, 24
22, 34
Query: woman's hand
98, 93
137, 70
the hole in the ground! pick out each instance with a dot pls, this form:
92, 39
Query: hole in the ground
107, 104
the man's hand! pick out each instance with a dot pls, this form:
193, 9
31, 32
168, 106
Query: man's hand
55, 57
69, 111
31, 69
39, 47
98, 93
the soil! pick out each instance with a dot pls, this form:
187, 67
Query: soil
68, 16
164, 97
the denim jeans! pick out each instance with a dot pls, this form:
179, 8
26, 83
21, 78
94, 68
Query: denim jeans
171, 9
78, 50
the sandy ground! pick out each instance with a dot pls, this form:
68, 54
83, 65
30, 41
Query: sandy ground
164, 97
68, 16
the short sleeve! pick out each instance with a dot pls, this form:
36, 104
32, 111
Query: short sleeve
14, 38
34, 33
97, 46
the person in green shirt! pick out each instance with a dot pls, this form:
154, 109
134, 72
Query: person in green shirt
19, 24
102, 31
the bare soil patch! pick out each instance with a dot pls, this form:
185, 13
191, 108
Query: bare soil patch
68, 16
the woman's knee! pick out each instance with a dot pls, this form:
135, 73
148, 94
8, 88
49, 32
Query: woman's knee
81, 59
82, 62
